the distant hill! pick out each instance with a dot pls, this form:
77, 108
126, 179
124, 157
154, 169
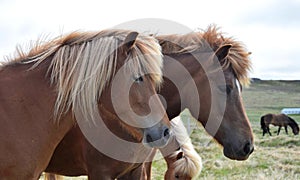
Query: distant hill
271, 96
259, 80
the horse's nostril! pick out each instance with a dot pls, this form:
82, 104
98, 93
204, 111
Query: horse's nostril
149, 138
166, 132
248, 148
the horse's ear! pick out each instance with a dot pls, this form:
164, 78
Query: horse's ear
130, 40
223, 51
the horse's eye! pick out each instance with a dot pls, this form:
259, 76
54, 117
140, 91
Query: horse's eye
176, 176
139, 79
226, 88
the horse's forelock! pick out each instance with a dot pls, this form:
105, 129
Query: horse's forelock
146, 58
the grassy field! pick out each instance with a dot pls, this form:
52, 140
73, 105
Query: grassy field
275, 157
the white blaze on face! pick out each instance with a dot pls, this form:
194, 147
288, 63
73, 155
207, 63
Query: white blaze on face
238, 85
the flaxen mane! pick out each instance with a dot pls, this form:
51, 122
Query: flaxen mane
191, 163
212, 38
83, 63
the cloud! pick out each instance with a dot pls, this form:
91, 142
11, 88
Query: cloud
275, 49
274, 13
269, 29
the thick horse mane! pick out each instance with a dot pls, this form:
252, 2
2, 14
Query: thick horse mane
191, 163
210, 39
84, 63
293, 123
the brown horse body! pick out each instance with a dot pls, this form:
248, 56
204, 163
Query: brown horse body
29, 135
230, 127
182, 160
49, 85
280, 120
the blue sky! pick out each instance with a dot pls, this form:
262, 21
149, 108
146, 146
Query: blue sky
270, 29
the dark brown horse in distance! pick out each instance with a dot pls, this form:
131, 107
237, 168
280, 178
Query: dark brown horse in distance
278, 120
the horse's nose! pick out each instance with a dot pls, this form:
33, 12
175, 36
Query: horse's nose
157, 137
248, 148
149, 138
166, 131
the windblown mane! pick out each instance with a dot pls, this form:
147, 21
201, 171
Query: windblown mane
212, 38
83, 64
191, 163
293, 123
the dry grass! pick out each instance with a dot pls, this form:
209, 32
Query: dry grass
276, 157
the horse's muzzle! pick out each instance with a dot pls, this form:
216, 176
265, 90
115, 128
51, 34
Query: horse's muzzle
156, 137
241, 153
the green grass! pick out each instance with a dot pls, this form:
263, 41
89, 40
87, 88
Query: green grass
275, 157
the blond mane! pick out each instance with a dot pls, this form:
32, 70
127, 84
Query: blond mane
191, 163
83, 64
211, 38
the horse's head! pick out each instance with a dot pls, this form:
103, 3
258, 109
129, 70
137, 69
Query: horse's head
184, 162
173, 172
296, 130
133, 90
239, 144
293, 124
205, 78
221, 107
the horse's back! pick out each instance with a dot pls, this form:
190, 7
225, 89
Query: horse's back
275, 119
267, 119
281, 120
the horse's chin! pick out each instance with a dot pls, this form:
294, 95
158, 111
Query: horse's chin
235, 155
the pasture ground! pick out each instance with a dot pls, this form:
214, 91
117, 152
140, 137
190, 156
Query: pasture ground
275, 157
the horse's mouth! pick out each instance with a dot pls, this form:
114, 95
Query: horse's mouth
240, 155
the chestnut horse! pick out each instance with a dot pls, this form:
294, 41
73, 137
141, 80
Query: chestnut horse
68, 81
216, 66
278, 120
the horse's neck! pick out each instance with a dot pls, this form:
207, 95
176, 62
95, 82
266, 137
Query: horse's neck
291, 123
30, 86
23, 83
181, 74
29, 101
